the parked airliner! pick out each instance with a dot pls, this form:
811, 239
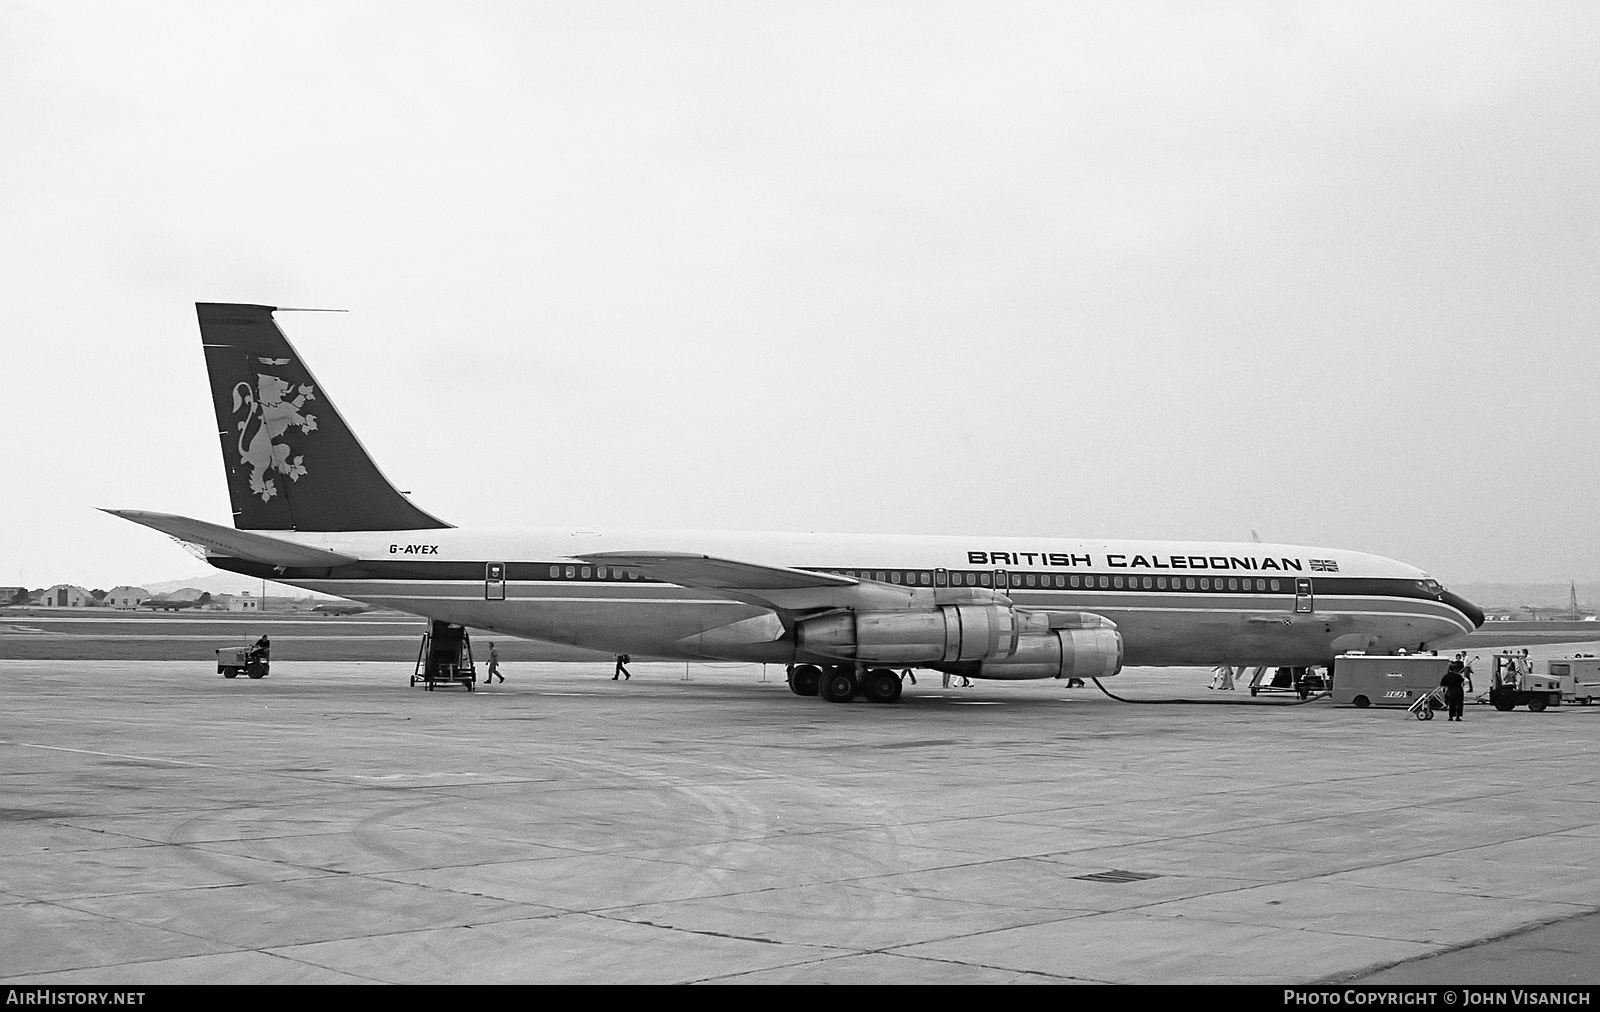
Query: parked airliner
843, 613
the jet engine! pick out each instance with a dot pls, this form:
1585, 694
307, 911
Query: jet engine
982, 640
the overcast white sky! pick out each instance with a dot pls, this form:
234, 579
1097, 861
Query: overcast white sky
1325, 271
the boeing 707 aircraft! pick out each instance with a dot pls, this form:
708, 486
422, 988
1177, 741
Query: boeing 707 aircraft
842, 612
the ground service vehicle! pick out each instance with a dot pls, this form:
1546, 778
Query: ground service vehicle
1383, 680
231, 661
1579, 676
1514, 683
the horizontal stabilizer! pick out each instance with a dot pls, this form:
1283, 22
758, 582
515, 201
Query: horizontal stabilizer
236, 544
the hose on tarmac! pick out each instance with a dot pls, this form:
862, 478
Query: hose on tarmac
1251, 701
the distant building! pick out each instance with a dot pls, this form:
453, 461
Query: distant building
64, 595
126, 597
8, 593
241, 602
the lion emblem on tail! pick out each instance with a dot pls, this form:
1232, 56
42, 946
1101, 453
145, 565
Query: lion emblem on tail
269, 412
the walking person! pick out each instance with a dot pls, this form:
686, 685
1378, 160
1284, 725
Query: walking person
622, 660
494, 666
1454, 684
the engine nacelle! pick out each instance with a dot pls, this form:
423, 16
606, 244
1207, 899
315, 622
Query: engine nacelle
953, 633
988, 640
1060, 653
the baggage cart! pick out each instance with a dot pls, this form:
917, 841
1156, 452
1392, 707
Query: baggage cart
1423, 708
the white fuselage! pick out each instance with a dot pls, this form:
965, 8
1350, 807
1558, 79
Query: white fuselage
1175, 603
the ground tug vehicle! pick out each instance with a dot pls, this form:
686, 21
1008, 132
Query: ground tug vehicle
231, 661
1513, 683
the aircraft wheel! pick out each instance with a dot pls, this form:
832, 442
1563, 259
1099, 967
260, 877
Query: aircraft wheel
838, 685
882, 686
1536, 705
804, 679
1362, 702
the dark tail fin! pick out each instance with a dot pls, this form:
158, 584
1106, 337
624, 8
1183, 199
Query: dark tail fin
292, 462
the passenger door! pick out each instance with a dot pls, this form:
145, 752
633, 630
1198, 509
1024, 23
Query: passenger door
1302, 597
494, 581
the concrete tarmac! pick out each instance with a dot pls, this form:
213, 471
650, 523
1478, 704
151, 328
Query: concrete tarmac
329, 823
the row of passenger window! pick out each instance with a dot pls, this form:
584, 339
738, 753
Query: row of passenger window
1063, 581
591, 573
986, 578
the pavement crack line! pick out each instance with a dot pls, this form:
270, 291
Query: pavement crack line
692, 931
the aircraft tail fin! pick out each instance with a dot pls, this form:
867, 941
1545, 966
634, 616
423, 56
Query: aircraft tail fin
292, 462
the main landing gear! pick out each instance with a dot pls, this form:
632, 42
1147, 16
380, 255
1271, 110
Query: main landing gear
840, 683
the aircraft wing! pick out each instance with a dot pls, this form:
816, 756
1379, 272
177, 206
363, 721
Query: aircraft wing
235, 544
777, 587
710, 573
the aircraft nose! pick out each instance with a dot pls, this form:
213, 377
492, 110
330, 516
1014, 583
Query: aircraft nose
1467, 608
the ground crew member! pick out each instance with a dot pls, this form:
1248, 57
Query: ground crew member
494, 666
260, 653
1454, 684
622, 659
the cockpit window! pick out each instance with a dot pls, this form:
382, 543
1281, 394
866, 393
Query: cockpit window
1432, 586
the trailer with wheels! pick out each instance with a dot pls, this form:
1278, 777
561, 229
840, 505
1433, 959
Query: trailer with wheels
234, 661
1302, 681
445, 657
1364, 680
